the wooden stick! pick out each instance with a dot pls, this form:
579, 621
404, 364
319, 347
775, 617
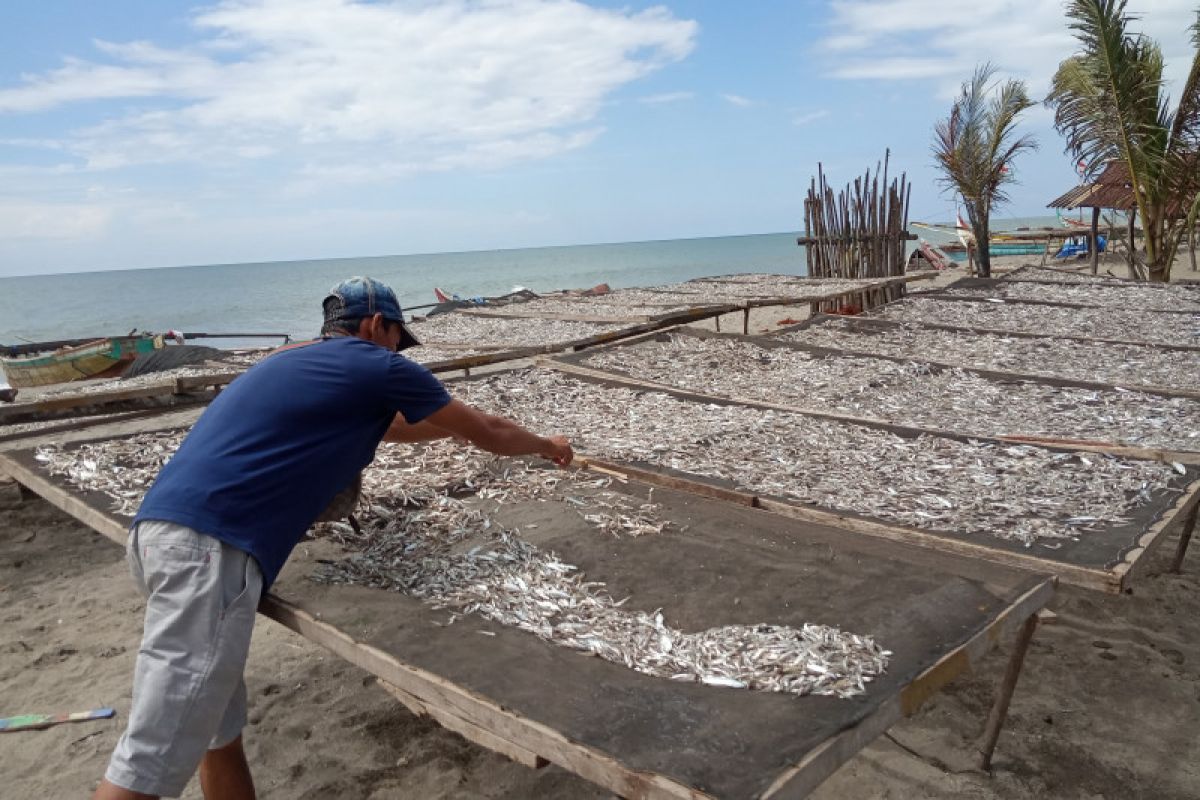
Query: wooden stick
995, 720
1185, 536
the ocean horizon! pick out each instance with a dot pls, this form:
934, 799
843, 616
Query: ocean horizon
285, 296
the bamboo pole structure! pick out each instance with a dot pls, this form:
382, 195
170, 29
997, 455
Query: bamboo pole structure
861, 231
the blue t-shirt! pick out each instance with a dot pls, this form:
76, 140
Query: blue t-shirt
275, 447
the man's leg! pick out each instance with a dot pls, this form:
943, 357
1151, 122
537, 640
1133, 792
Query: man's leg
199, 617
225, 775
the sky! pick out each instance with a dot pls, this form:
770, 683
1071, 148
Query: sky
149, 133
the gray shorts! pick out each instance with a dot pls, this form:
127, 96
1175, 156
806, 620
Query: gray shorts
188, 692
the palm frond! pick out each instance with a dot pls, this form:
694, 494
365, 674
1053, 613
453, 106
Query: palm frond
1108, 99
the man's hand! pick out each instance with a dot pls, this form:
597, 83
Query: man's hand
561, 453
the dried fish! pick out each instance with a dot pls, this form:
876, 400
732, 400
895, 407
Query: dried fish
1127, 364
1029, 272
667, 298
906, 393
1157, 297
1021, 493
123, 469
498, 332
1124, 324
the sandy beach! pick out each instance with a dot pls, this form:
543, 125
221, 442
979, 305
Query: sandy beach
1108, 705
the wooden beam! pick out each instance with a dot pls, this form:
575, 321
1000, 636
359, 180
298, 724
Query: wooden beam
1185, 536
999, 712
468, 730
1136, 560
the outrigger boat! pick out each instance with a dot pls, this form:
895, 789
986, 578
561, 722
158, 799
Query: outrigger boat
999, 244
100, 358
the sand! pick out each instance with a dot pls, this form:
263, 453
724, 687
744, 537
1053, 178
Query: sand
1108, 705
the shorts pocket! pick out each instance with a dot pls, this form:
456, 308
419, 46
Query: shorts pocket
175, 544
241, 593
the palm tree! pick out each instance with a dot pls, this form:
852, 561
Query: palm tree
1110, 103
975, 148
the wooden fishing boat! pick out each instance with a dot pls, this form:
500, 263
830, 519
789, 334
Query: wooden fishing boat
96, 359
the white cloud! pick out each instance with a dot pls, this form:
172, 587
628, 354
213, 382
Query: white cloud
341, 85
810, 117
737, 100
667, 97
24, 220
943, 40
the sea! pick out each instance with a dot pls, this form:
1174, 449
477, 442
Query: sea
284, 297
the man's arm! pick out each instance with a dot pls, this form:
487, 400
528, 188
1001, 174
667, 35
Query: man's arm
497, 434
423, 431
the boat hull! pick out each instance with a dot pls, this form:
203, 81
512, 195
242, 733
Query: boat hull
96, 359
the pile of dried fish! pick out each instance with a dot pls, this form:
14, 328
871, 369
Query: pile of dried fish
1120, 364
456, 557
123, 469
1027, 494
505, 332
1131, 325
1157, 297
907, 393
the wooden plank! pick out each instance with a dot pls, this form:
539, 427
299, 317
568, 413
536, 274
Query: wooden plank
190, 383
21, 412
800, 780
1136, 561
468, 730
80, 424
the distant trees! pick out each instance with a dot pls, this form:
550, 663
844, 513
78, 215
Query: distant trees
1109, 102
975, 147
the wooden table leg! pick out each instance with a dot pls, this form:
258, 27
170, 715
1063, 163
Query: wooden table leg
1185, 536
996, 717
